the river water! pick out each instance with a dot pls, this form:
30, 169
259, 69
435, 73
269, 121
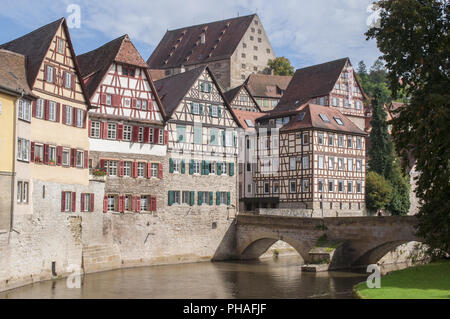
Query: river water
263, 279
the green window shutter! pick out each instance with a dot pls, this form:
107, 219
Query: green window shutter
201, 109
217, 198
234, 139
191, 167
228, 198
207, 168
219, 111
219, 168
211, 197
231, 169
192, 199
183, 169
200, 198
170, 165
192, 107
202, 87
209, 87
203, 168
210, 110
170, 198
223, 138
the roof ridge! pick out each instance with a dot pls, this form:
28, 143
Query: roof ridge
217, 21
60, 20
320, 64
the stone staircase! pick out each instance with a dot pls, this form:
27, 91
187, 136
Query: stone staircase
100, 258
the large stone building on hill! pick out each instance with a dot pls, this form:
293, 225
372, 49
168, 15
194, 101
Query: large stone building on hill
233, 49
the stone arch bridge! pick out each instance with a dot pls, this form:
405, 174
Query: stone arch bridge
362, 240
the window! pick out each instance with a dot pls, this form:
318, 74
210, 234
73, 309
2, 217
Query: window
141, 134
349, 187
176, 165
52, 111
111, 168
350, 164
255, 58
324, 118
350, 142
151, 135
68, 110
293, 186
205, 198
108, 99
161, 137
321, 166
205, 87
331, 186
259, 40
222, 198
186, 200
320, 185
49, 74
22, 192
176, 197
127, 132
268, 51
95, 129
358, 187
38, 153
341, 141
255, 47
68, 80
52, 155
252, 38
224, 168
214, 137
358, 165
320, 138
305, 162
228, 138
144, 105
266, 188
305, 184
330, 139
340, 186
80, 118
358, 143
66, 157
243, 55
244, 45
23, 111
111, 203
249, 167
154, 169
214, 110
141, 170
61, 46
80, 157
305, 139
128, 199
127, 71
358, 105
127, 169
243, 66
112, 131
144, 203
23, 149
340, 164
212, 167
249, 188
292, 163
276, 187
86, 201
338, 121
196, 167
331, 163
40, 108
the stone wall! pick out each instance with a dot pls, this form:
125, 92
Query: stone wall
5, 200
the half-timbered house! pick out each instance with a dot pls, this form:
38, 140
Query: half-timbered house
202, 148
320, 163
333, 84
58, 149
126, 127
267, 89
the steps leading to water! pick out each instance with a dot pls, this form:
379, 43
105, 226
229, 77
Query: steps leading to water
100, 258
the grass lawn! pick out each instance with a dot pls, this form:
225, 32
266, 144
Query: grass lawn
431, 281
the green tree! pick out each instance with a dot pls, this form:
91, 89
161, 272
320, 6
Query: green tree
413, 38
378, 192
281, 66
400, 202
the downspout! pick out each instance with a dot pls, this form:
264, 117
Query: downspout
13, 178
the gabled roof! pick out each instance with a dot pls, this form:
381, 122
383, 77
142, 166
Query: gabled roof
183, 46
307, 83
312, 119
242, 116
173, 89
13, 76
266, 85
230, 95
35, 45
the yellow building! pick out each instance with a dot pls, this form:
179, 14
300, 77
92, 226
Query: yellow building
15, 116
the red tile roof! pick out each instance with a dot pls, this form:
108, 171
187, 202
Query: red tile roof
246, 115
265, 85
183, 46
13, 76
313, 119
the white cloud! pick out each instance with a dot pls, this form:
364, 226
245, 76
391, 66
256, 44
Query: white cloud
307, 32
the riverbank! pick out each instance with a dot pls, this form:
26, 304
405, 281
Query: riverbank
431, 281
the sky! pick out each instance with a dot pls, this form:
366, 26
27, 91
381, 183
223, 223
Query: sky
307, 32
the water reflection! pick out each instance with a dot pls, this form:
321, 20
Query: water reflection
269, 278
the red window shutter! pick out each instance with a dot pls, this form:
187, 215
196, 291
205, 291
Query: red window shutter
153, 204
82, 203
59, 150
119, 132
121, 168
135, 134
33, 110
116, 100
74, 203
72, 84
133, 103
86, 159
121, 204
160, 171
64, 114
32, 152
102, 163
104, 126
63, 201
135, 169
150, 105
103, 98
138, 203
64, 78
46, 151
92, 203
74, 116
73, 154
90, 127
166, 137
146, 134
133, 203
54, 75
58, 111
84, 119
105, 203
149, 170
45, 72
156, 136
46, 109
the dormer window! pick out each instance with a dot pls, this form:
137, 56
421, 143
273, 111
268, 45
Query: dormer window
203, 38
324, 118
338, 121
128, 71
